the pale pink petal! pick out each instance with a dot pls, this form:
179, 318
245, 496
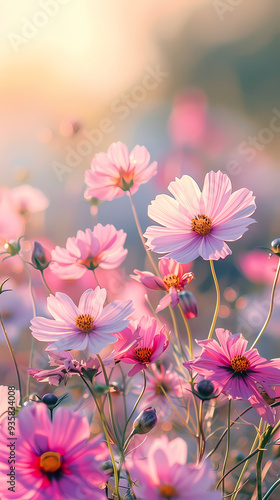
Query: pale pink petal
187, 193
92, 302
62, 308
215, 193
119, 156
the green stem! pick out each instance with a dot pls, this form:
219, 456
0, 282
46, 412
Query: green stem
202, 435
271, 489
33, 339
13, 357
124, 392
45, 283
135, 406
188, 331
217, 300
141, 234
177, 333
227, 447
111, 411
271, 305
264, 441
103, 421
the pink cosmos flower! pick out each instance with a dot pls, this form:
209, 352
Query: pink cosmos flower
163, 474
66, 366
258, 267
174, 278
115, 172
87, 326
198, 223
127, 339
101, 247
54, 459
151, 344
26, 199
236, 372
174, 385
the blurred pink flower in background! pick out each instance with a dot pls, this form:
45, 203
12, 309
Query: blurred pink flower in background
115, 172
197, 223
257, 266
101, 247
16, 311
54, 458
173, 384
164, 474
236, 371
151, 344
26, 199
87, 326
175, 278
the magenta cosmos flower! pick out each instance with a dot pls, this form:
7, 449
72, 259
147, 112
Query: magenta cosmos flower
198, 223
238, 373
150, 346
174, 278
54, 459
102, 247
87, 326
115, 172
163, 474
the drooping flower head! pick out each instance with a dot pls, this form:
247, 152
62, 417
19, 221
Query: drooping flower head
66, 366
199, 223
175, 277
150, 346
90, 325
115, 172
164, 475
102, 247
53, 458
238, 373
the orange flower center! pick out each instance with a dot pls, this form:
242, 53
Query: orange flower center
201, 224
168, 491
240, 363
143, 354
90, 262
84, 322
125, 181
50, 461
171, 280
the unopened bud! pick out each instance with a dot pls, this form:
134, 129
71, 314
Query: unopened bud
39, 259
145, 421
205, 387
275, 246
188, 303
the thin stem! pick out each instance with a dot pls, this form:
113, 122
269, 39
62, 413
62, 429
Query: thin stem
111, 411
135, 406
202, 435
271, 305
217, 300
141, 234
264, 441
246, 463
175, 409
124, 392
45, 283
177, 333
188, 331
103, 421
227, 447
271, 489
13, 357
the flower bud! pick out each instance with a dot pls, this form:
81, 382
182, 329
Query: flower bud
145, 421
39, 259
12, 247
188, 303
51, 400
205, 387
275, 246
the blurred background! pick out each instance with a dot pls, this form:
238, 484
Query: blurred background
195, 81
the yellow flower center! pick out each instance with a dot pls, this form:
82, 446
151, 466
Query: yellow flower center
168, 491
143, 354
89, 261
171, 280
240, 363
84, 322
201, 224
50, 461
